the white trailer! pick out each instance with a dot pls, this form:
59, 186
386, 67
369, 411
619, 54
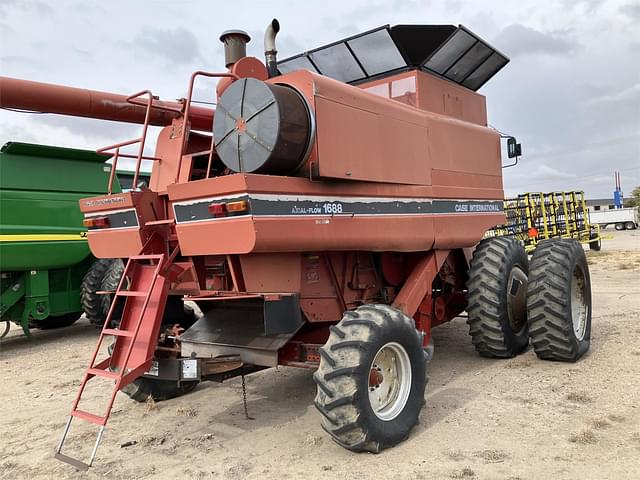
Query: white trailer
621, 218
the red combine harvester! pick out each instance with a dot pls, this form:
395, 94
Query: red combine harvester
329, 222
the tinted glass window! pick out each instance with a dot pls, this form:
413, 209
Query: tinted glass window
376, 52
490, 66
472, 60
299, 63
450, 52
337, 62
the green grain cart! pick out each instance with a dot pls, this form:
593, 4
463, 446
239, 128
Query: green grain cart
47, 274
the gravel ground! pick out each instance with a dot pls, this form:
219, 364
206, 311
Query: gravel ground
484, 419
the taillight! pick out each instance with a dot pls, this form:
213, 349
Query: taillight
217, 209
228, 209
96, 222
533, 232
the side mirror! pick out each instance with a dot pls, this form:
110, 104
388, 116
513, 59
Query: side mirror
514, 149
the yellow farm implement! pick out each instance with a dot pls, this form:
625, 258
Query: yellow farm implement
536, 216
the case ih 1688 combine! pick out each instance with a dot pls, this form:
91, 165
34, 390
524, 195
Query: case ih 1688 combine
332, 219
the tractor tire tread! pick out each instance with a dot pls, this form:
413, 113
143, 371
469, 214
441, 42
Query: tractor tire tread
549, 301
485, 305
342, 367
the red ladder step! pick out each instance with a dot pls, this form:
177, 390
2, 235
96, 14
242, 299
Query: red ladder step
89, 417
134, 344
99, 372
131, 293
116, 332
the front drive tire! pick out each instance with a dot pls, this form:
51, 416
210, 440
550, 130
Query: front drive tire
371, 379
497, 289
559, 301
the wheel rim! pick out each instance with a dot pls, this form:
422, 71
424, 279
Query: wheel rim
517, 299
579, 308
389, 381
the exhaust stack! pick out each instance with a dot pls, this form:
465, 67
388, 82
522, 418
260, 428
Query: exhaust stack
270, 47
235, 45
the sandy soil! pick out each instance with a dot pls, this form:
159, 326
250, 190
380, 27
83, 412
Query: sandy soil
484, 419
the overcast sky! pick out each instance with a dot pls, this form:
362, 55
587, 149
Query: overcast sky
571, 93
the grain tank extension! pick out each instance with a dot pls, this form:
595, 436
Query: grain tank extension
331, 220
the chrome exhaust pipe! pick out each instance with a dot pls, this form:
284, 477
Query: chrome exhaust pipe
270, 47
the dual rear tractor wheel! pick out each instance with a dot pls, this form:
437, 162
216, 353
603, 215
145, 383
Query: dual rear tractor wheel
546, 299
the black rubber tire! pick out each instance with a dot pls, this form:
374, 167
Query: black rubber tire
549, 300
619, 226
492, 332
143, 389
630, 225
595, 245
103, 275
60, 321
343, 378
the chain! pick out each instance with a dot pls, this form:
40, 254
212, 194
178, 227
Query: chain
244, 400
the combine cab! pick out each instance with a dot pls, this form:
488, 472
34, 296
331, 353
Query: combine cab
329, 222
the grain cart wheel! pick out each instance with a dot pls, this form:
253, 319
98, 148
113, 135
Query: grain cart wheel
559, 301
371, 378
497, 293
103, 275
60, 321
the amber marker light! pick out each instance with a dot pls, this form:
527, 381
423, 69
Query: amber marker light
238, 206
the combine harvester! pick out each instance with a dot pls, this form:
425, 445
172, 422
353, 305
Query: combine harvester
329, 223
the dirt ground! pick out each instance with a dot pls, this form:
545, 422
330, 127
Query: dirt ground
484, 419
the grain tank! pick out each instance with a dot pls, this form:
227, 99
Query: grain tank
48, 274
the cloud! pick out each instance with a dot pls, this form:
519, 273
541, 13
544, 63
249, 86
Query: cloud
631, 10
177, 45
89, 129
42, 8
520, 40
589, 6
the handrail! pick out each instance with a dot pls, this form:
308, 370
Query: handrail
187, 108
142, 140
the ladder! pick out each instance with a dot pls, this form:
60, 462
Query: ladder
144, 288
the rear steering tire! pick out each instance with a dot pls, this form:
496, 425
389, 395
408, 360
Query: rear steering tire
371, 379
559, 301
497, 298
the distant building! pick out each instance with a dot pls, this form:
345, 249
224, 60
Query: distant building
598, 204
